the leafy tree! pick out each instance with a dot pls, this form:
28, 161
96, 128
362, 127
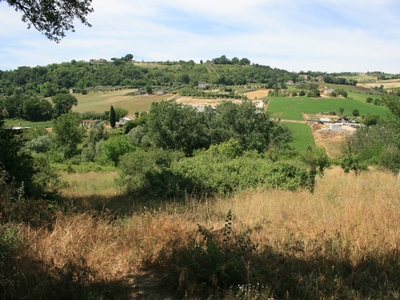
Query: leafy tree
176, 126
112, 117
392, 102
371, 119
20, 167
13, 106
341, 110
115, 147
244, 61
355, 112
229, 149
67, 133
137, 135
52, 18
149, 89
97, 134
36, 110
120, 113
247, 124
128, 57
40, 144
63, 104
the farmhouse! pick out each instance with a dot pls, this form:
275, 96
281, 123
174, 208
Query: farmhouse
159, 92
203, 85
89, 123
123, 120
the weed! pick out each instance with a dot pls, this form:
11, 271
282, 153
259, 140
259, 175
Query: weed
215, 260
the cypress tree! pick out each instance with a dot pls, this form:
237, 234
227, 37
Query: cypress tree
112, 117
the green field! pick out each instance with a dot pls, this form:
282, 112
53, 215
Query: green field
290, 108
24, 123
303, 136
101, 101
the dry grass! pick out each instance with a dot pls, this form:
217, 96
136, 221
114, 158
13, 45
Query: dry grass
322, 245
101, 101
391, 83
188, 100
330, 140
257, 94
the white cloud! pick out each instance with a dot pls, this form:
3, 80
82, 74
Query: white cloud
330, 35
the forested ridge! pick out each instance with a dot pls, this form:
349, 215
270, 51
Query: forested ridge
59, 78
47, 81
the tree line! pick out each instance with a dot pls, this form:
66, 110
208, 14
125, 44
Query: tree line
53, 79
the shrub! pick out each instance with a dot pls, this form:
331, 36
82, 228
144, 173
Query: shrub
216, 259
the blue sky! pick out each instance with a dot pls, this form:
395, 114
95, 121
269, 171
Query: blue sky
328, 35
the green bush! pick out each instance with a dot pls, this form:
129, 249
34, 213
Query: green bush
164, 174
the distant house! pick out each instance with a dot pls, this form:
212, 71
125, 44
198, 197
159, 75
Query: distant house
259, 104
328, 91
203, 85
320, 78
101, 60
140, 92
335, 127
199, 108
325, 120
159, 92
305, 76
290, 82
89, 123
124, 120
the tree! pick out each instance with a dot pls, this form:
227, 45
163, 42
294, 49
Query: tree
115, 147
112, 117
63, 104
393, 103
120, 112
68, 133
244, 61
177, 127
52, 18
128, 57
371, 119
20, 168
36, 110
355, 113
341, 110
149, 89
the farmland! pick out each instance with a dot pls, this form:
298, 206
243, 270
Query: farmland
101, 101
303, 136
291, 107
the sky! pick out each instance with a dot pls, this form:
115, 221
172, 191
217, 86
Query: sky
294, 35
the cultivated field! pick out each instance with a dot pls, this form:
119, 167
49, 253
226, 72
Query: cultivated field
291, 107
187, 100
388, 84
101, 101
303, 136
254, 95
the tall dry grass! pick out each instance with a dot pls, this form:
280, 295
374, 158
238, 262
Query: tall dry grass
342, 242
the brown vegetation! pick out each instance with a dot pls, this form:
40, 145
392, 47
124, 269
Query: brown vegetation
340, 242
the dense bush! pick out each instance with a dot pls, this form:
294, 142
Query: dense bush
166, 174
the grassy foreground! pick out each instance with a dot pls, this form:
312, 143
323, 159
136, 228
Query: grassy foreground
342, 242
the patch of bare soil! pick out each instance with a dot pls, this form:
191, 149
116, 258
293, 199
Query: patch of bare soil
202, 102
329, 139
257, 94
